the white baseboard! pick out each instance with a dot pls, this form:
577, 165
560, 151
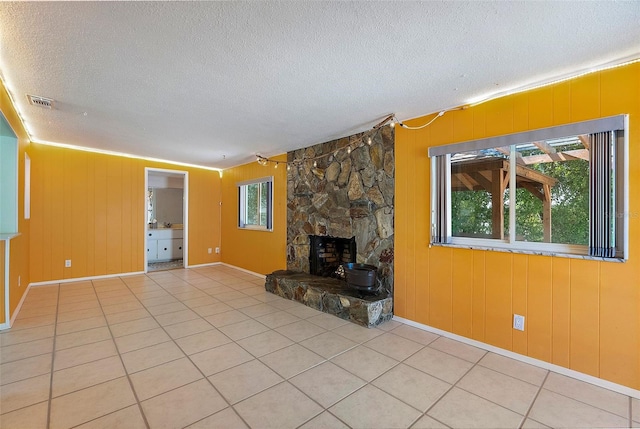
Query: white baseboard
19, 307
262, 276
209, 264
526, 359
82, 279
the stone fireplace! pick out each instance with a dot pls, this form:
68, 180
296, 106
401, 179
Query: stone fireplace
340, 199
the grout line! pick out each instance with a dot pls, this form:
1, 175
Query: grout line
53, 357
535, 397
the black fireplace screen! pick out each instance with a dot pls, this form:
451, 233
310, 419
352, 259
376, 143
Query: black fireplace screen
328, 253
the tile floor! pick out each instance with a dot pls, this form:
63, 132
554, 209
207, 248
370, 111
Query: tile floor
208, 348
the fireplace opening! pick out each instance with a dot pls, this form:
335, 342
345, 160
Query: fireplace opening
327, 254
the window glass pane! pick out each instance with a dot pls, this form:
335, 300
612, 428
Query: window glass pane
252, 207
264, 196
479, 193
552, 198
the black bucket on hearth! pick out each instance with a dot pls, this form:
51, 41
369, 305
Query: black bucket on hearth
361, 277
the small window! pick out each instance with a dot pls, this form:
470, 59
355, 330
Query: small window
569, 193
256, 204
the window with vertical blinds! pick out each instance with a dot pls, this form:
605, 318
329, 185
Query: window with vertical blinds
557, 190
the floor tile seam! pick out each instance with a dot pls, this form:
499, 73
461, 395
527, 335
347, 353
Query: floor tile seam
22, 408
63, 310
218, 412
184, 321
157, 305
133, 391
582, 402
134, 333
53, 362
360, 377
154, 366
14, 329
142, 348
258, 357
511, 376
3, 362
29, 377
28, 341
533, 401
461, 358
132, 320
78, 320
86, 363
327, 358
431, 417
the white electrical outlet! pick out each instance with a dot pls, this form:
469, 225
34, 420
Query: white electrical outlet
67, 263
518, 322
209, 250
217, 250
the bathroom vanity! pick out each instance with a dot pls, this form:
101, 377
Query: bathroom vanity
164, 244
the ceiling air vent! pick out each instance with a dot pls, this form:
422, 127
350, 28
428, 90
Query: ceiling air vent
35, 100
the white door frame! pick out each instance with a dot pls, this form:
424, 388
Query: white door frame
185, 220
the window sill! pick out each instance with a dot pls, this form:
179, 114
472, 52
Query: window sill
254, 228
529, 252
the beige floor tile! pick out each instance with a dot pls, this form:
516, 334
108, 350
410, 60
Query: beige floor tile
88, 404
227, 419
504, 390
292, 360
24, 393
192, 294
245, 380
183, 406
79, 315
37, 310
80, 325
325, 420
200, 302
81, 338
327, 321
328, 344
414, 387
357, 333
458, 349
189, 327
520, 370
129, 418
255, 291
427, 422
220, 358
202, 341
229, 296
158, 300
264, 343
211, 309
283, 304
86, 375
241, 303
141, 340
394, 346
532, 424
126, 316
258, 310
277, 319
25, 368
300, 331
440, 365
327, 383
166, 308
75, 306
122, 307
151, 356
162, 378
465, 410
303, 312
83, 354
176, 317
226, 318
414, 334
557, 410
33, 417
133, 326
364, 362
272, 408
588, 393
25, 350
372, 408
32, 322
10, 338
240, 330
389, 325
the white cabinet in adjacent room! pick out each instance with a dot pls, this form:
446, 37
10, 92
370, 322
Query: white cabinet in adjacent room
164, 244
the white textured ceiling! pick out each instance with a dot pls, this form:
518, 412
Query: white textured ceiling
214, 83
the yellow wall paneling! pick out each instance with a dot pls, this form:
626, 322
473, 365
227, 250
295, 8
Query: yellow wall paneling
580, 314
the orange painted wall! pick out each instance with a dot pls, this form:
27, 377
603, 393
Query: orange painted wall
19, 246
258, 251
90, 208
583, 315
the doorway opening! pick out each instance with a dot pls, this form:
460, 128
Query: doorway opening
166, 198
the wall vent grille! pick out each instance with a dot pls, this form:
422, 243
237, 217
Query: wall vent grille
35, 100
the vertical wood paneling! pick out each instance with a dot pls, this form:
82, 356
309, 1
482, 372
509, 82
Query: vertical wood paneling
462, 292
561, 277
539, 307
422, 210
126, 235
498, 319
519, 301
101, 202
410, 266
440, 301
479, 296
541, 107
2, 271
585, 316
585, 98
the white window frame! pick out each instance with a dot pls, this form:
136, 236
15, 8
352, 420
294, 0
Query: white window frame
242, 204
509, 243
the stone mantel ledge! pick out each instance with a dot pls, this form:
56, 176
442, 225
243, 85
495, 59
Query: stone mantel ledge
331, 296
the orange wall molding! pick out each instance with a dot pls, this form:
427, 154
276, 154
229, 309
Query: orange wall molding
580, 314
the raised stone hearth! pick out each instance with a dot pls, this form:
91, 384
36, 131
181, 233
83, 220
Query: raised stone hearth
332, 296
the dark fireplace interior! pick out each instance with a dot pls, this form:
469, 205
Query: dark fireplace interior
328, 253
